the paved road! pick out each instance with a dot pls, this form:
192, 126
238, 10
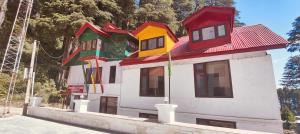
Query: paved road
26, 125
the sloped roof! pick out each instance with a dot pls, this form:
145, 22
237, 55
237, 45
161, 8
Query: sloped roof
156, 24
243, 39
94, 28
213, 9
111, 28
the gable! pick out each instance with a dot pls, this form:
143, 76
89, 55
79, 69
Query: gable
150, 32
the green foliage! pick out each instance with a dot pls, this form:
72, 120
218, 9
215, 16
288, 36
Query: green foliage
4, 83
157, 10
47, 90
288, 116
182, 8
125, 19
291, 75
54, 23
294, 36
289, 98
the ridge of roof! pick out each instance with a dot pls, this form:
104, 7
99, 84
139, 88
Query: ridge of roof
94, 28
206, 9
157, 24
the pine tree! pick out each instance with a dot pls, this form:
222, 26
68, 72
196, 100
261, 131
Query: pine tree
183, 8
294, 36
227, 3
125, 19
157, 10
56, 21
291, 75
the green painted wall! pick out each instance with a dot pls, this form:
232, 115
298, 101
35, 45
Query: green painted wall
116, 49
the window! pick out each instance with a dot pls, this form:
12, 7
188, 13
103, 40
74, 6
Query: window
89, 45
83, 45
152, 82
92, 73
112, 74
212, 79
108, 105
217, 123
150, 116
208, 33
196, 35
94, 44
144, 45
152, 43
104, 46
161, 42
221, 30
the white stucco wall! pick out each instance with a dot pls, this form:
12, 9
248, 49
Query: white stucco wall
254, 104
110, 89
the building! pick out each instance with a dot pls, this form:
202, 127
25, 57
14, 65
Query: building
221, 75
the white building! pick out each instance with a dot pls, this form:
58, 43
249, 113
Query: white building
228, 84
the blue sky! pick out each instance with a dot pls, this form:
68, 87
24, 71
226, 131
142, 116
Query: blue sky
278, 15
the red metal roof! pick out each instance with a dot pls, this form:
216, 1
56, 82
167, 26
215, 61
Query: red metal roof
157, 24
93, 28
243, 39
212, 9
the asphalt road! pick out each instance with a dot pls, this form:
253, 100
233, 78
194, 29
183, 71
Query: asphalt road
26, 125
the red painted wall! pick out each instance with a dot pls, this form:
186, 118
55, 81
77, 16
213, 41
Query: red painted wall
207, 20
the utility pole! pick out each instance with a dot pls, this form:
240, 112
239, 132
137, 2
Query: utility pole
30, 78
14, 49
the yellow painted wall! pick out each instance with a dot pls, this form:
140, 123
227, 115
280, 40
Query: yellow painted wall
152, 32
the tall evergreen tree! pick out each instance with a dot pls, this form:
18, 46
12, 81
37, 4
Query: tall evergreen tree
157, 10
291, 75
56, 21
294, 36
227, 3
183, 8
125, 18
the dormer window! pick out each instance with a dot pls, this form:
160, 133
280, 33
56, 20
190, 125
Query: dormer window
89, 45
209, 33
153, 43
221, 30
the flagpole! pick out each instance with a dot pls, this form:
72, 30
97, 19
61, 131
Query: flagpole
169, 71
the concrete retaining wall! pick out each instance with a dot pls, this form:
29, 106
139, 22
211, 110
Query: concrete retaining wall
126, 124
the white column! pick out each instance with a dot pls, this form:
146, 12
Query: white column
166, 112
81, 106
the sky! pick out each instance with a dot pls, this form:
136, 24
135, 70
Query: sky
278, 15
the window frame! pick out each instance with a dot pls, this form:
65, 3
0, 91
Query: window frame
141, 74
215, 29
206, 86
156, 45
94, 45
110, 74
225, 31
222, 121
106, 104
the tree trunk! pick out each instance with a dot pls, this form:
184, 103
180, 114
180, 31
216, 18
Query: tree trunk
62, 70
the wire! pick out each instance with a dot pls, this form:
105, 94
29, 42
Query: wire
54, 57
